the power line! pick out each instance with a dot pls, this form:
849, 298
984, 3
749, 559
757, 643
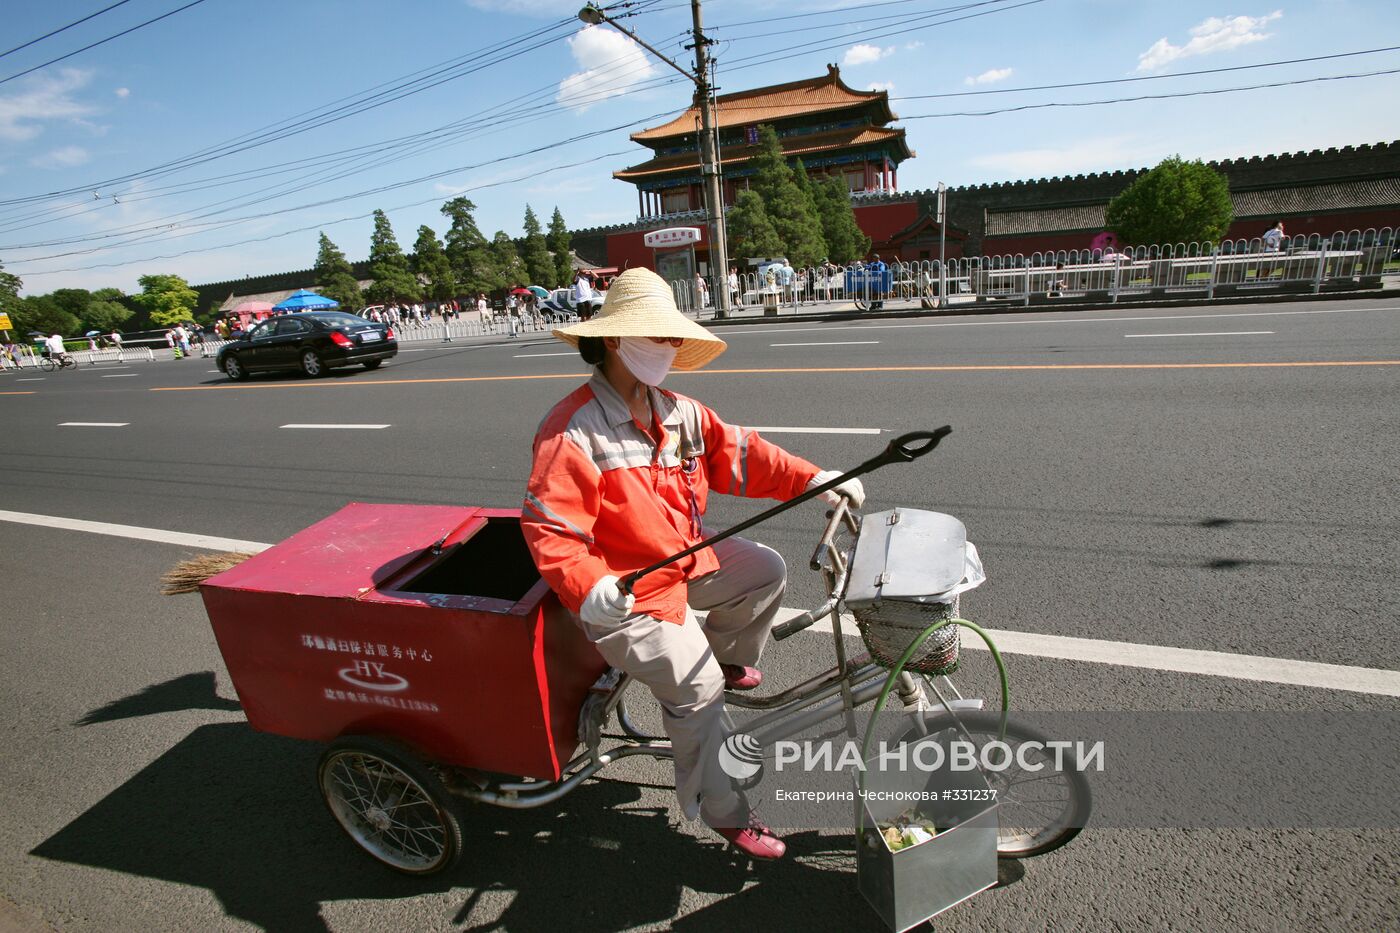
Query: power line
1124, 100
76, 22
54, 61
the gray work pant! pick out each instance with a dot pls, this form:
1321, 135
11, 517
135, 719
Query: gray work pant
680, 664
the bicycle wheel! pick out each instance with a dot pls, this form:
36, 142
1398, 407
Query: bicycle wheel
390, 804
1038, 810
47, 365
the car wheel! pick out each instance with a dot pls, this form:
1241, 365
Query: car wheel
311, 364
372, 364
233, 368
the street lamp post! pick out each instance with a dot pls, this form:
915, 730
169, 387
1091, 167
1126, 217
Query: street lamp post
709, 144
942, 246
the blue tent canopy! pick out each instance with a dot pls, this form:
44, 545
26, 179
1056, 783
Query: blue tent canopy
303, 300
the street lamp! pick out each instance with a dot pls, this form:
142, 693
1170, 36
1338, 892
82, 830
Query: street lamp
709, 144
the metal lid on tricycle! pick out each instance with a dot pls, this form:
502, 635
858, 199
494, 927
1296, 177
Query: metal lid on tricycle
906, 554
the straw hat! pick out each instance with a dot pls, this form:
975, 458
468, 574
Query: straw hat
640, 304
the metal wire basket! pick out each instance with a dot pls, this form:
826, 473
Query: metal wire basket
890, 626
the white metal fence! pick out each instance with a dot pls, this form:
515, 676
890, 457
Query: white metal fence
1352, 258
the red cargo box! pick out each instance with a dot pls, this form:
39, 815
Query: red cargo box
354, 626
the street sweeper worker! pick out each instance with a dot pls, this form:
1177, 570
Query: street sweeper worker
622, 473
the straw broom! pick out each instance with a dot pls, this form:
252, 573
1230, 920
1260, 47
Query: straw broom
187, 575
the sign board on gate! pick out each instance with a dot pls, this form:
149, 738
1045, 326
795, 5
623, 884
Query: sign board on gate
672, 236
5, 322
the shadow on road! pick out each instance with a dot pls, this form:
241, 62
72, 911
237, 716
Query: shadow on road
190, 691
237, 812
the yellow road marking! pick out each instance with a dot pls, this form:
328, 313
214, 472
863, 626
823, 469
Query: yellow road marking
16, 393
793, 371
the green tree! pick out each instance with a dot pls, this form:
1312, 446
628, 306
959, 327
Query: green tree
508, 267
430, 262
539, 265
845, 241
559, 245
335, 277
468, 252
73, 300
10, 284
1176, 202
388, 266
42, 313
791, 211
167, 299
751, 233
106, 311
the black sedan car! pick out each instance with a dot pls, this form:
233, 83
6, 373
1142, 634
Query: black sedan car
313, 342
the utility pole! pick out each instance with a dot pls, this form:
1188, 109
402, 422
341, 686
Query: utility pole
708, 144
711, 168
942, 245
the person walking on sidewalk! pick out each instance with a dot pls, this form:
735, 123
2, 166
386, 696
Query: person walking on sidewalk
622, 473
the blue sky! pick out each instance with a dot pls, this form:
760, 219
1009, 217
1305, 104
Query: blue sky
220, 71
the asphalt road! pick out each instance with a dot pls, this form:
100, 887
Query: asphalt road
1203, 479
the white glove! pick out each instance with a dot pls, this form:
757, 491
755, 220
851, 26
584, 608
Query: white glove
851, 488
606, 604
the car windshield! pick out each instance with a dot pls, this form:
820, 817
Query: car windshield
341, 319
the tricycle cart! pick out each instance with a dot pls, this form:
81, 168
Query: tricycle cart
422, 645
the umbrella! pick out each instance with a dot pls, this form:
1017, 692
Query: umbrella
521, 291
93, 333
539, 292
302, 299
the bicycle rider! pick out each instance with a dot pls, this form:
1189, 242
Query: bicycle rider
53, 345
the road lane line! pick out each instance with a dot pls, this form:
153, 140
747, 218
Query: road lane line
1121, 654
121, 376
93, 424
132, 531
1218, 333
832, 343
756, 330
32, 379
1179, 660
22, 392
528, 356
772, 430
1009, 367
337, 427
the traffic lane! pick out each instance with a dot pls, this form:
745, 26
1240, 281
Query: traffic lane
165, 764
1227, 536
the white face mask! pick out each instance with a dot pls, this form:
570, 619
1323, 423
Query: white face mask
646, 359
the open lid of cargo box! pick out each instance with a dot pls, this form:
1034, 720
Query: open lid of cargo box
384, 553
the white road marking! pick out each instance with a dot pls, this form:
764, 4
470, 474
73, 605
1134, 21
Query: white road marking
337, 427
527, 356
31, 379
133, 531
1118, 653
93, 424
753, 330
215, 370
772, 430
1218, 333
120, 375
1181, 660
834, 343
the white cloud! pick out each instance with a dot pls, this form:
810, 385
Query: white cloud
911, 46
43, 97
990, 76
886, 86
864, 54
63, 157
1088, 155
122, 92
612, 63
1211, 35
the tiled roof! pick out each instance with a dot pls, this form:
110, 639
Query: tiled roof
793, 146
1262, 203
775, 102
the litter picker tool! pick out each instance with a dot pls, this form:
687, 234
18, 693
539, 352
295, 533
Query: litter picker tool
903, 449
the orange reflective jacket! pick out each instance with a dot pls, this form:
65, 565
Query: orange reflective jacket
606, 497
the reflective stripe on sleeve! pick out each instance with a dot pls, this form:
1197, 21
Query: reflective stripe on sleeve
554, 518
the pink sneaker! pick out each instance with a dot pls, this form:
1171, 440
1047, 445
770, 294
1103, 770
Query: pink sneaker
739, 677
754, 840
